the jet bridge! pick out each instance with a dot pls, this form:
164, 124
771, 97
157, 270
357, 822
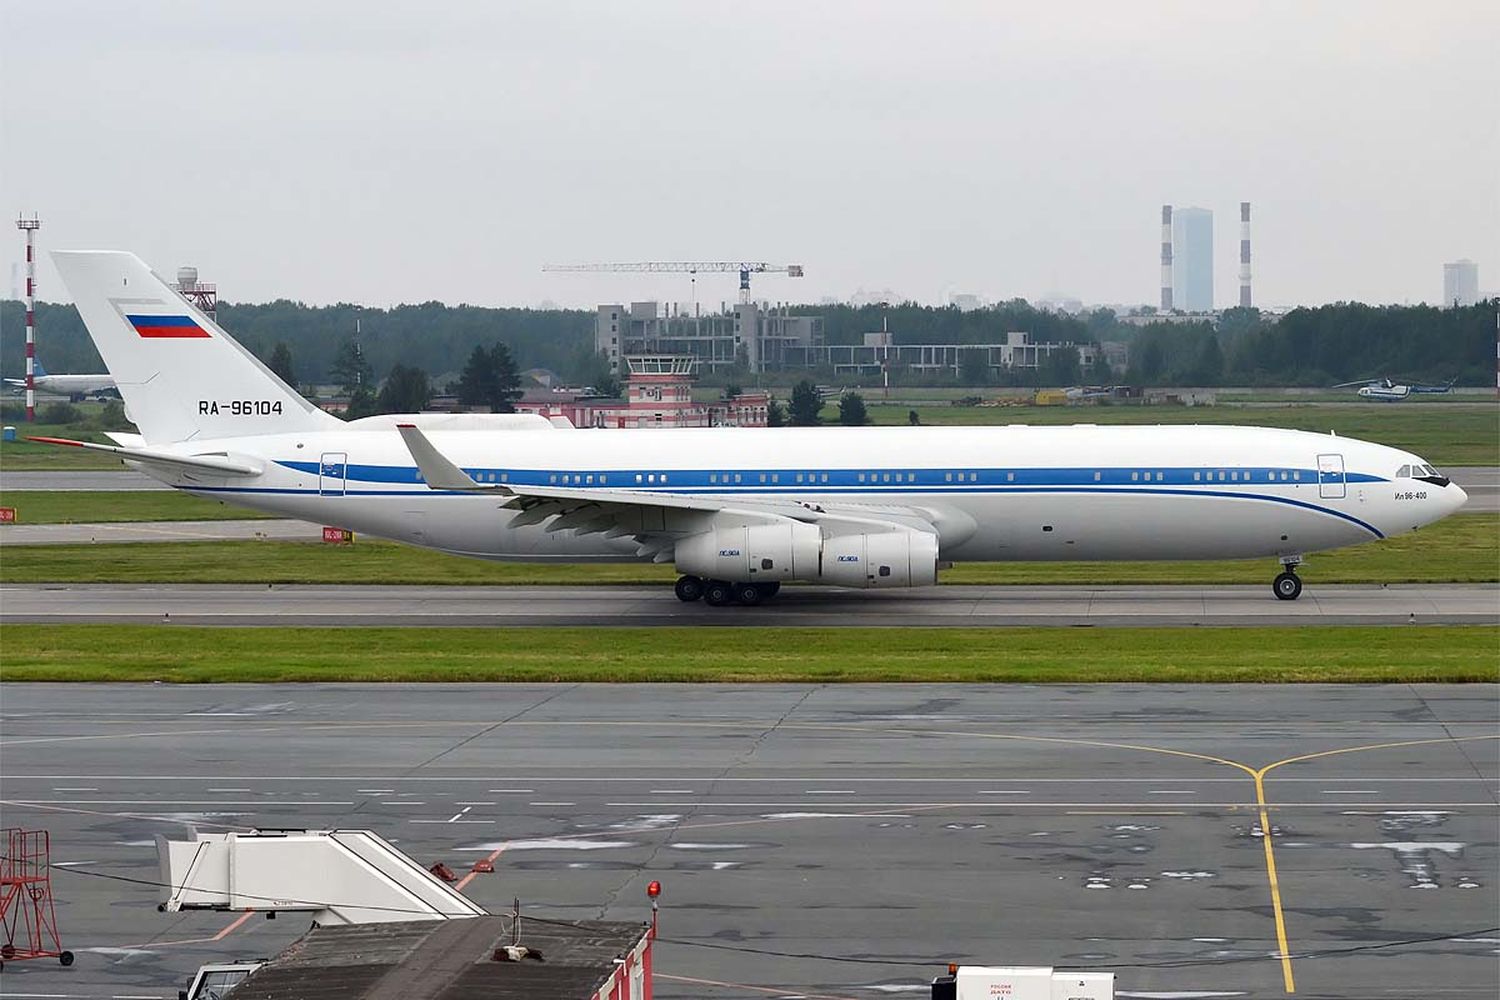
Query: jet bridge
339, 876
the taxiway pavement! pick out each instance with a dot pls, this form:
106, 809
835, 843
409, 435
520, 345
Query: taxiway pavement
259, 605
251, 529
860, 837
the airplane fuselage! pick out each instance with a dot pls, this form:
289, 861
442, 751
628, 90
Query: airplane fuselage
993, 493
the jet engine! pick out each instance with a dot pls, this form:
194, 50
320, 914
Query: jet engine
899, 558
760, 553
766, 553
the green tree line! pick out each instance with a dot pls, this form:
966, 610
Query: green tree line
1312, 346
431, 336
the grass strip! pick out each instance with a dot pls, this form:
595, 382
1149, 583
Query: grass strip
1464, 548
1323, 654
107, 507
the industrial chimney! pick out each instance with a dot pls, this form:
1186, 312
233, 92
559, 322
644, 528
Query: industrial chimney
1166, 258
1244, 255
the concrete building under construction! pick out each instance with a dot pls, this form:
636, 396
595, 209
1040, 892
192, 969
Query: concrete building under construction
760, 337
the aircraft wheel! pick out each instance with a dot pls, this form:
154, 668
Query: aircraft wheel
770, 590
66, 958
1288, 586
717, 593
688, 589
749, 594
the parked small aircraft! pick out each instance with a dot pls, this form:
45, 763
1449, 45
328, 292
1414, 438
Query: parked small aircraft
1389, 391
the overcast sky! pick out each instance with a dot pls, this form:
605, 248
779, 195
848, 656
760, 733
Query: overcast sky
398, 152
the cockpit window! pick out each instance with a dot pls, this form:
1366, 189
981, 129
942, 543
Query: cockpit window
1427, 474
1404, 472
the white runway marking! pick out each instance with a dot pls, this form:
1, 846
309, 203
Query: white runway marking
1005, 792
445, 822
167, 802
460, 814
552, 803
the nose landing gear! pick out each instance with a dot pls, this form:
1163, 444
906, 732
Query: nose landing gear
1288, 585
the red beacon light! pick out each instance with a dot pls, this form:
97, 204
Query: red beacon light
653, 889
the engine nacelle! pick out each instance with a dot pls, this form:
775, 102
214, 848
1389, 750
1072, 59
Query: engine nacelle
759, 553
881, 559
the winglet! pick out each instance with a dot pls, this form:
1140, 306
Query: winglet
437, 472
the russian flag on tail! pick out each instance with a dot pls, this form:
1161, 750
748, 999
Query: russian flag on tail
156, 327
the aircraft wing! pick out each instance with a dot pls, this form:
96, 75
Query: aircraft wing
657, 519
219, 463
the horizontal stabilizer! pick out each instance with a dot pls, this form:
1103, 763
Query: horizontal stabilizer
437, 472
204, 463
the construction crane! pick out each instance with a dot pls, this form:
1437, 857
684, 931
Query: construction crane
692, 267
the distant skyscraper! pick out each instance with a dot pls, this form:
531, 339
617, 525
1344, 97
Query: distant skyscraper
1193, 259
1460, 283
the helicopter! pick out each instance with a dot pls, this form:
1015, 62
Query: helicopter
1387, 390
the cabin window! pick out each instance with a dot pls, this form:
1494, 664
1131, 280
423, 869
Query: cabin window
602, 479
505, 477
713, 477
663, 477
886, 478
1160, 476
1134, 476
948, 477
775, 477
861, 477
1221, 477
799, 477
1098, 476
1197, 477
1283, 475
1010, 477
552, 478
762, 477
736, 477
637, 477
650, 477
1297, 474
825, 477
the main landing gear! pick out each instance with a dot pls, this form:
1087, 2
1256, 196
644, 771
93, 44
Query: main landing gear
718, 593
1288, 585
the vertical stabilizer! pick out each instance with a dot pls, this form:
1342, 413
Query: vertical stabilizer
182, 377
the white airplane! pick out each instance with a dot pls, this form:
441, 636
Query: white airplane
76, 387
739, 511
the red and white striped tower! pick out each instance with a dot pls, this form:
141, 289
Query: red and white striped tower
1166, 258
1244, 255
29, 227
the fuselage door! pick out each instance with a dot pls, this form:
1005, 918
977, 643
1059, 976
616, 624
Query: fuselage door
332, 469
1331, 482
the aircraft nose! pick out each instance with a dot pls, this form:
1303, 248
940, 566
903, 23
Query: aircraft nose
1455, 497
